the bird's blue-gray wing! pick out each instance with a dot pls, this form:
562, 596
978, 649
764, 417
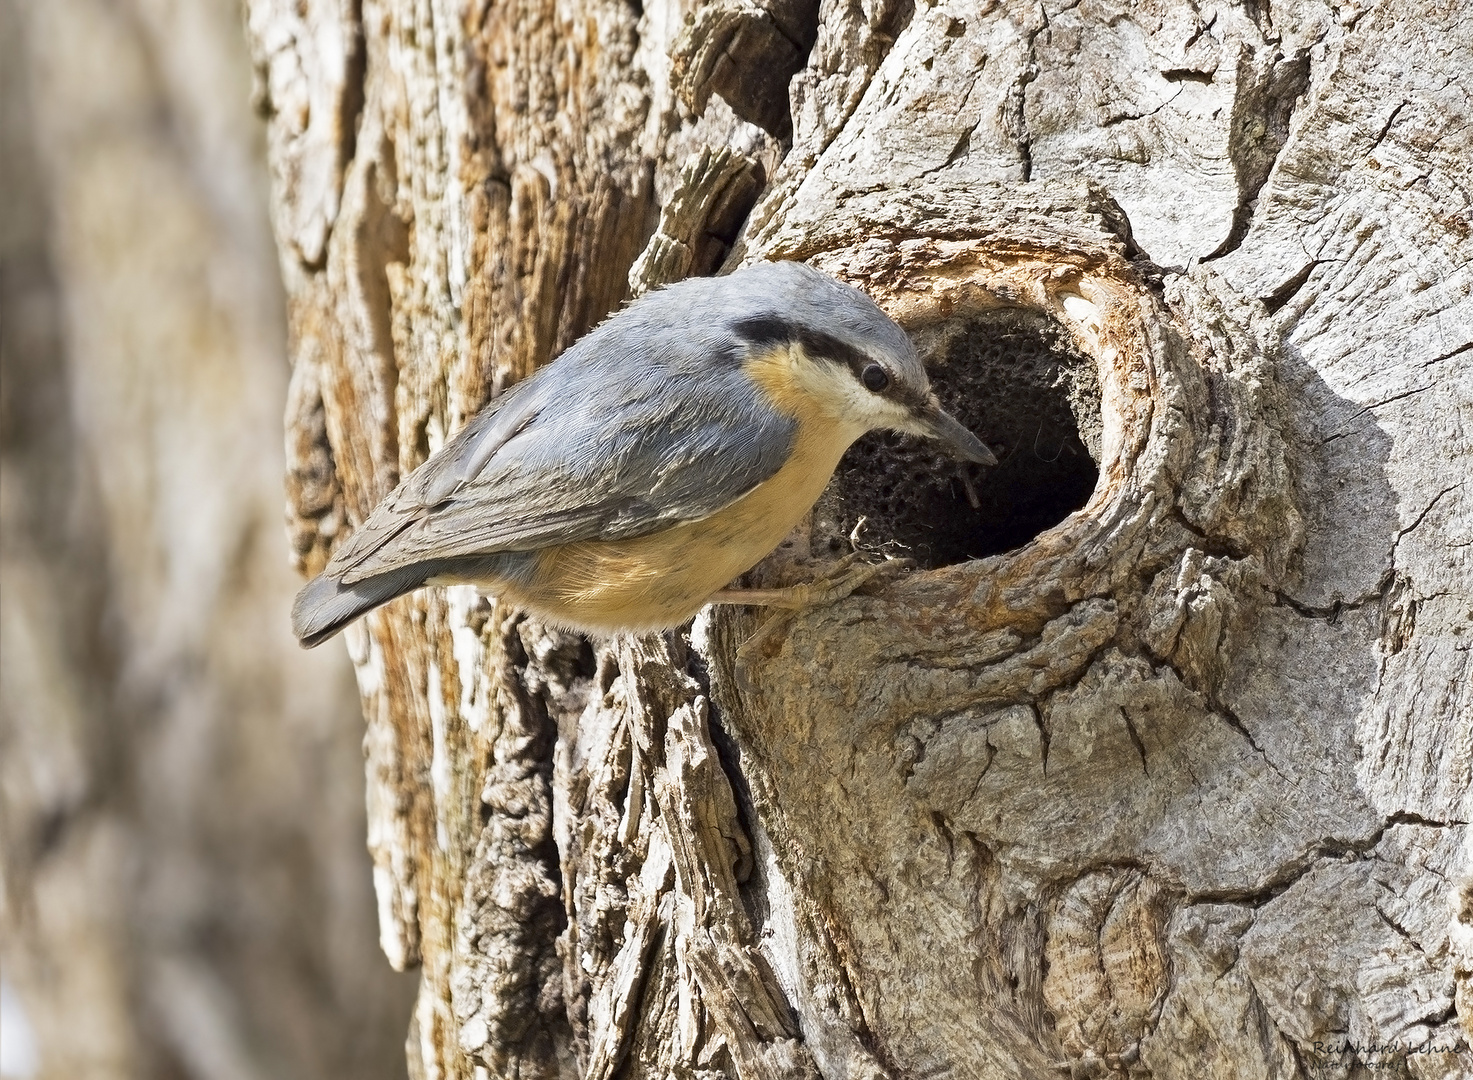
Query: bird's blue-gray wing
648, 442
453, 466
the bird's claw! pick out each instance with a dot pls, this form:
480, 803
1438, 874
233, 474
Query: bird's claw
843, 579
839, 582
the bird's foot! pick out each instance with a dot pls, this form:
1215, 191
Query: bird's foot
840, 581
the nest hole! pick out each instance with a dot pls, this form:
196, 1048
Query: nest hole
1014, 378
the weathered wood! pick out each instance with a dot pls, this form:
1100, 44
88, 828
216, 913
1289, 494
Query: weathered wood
1177, 788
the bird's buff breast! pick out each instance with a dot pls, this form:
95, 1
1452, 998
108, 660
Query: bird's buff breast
656, 581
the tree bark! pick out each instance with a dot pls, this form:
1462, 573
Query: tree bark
1167, 777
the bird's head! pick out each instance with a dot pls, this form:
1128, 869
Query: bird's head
848, 358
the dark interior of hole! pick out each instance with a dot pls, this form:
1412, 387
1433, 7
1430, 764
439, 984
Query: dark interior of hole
1013, 378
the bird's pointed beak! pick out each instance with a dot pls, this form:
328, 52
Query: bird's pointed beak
935, 423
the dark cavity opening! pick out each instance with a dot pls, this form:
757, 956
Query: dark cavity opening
1012, 377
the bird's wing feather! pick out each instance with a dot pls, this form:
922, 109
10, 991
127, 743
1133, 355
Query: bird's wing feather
433, 481
631, 459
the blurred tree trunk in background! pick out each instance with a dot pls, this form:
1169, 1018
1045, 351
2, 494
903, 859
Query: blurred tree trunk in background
185, 888
1177, 788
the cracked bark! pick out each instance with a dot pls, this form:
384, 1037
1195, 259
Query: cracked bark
835, 849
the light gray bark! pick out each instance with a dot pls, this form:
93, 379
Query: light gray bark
1179, 787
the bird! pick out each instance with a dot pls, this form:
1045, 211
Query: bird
628, 483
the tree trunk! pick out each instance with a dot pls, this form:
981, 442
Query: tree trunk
185, 892
1157, 765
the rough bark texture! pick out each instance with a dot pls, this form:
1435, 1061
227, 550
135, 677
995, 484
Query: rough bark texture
185, 892
1176, 787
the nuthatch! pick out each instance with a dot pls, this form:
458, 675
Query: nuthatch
626, 484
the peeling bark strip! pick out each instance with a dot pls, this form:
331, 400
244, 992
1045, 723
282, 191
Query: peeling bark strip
1175, 788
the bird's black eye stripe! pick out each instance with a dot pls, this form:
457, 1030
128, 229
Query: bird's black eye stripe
874, 378
773, 330
765, 330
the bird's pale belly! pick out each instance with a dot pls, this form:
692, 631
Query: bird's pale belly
660, 580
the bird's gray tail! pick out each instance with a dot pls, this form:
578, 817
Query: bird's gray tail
325, 605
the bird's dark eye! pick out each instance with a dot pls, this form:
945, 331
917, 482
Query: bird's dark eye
874, 378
